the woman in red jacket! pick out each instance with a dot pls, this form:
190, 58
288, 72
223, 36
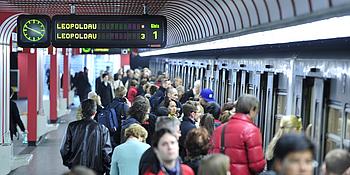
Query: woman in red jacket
242, 139
132, 93
166, 147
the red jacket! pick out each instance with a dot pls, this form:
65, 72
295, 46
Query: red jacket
185, 170
132, 94
242, 144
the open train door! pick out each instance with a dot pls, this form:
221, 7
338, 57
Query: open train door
315, 91
266, 117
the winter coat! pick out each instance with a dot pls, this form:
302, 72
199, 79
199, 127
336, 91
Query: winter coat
88, 144
193, 162
186, 125
156, 99
105, 92
187, 96
149, 162
132, 93
243, 144
126, 157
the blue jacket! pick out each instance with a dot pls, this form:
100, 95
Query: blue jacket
125, 124
126, 157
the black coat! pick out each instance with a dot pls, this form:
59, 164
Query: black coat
82, 84
15, 119
149, 160
186, 96
87, 143
186, 125
156, 99
97, 83
105, 92
193, 162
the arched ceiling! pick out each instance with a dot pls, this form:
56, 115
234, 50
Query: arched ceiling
192, 21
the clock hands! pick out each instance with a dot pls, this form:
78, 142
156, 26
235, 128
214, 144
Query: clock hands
34, 31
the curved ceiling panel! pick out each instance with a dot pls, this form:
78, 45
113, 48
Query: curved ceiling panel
194, 20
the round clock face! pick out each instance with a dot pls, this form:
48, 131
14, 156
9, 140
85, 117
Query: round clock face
34, 30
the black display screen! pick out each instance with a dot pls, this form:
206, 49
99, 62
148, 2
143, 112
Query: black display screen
72, 31
33, 31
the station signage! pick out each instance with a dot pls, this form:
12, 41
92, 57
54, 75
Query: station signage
100, 51
81, 31
33, 31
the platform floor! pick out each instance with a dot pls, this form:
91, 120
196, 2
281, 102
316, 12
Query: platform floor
46, 155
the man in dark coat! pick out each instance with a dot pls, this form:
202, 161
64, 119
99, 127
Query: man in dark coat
15, 118
83, 86
87, 143
188, 123
192, 93
98, 81
105, 91
158, 97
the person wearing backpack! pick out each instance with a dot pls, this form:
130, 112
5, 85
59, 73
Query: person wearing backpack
113, 115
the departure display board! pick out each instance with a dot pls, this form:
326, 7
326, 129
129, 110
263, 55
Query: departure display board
146, 31
33, 31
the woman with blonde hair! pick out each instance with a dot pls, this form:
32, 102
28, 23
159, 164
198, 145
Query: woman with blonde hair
127, 154
288, 124
218, 164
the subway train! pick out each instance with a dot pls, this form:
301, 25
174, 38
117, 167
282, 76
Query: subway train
312, 84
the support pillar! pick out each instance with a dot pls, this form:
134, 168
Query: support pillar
53, 84
66, 76
32, 97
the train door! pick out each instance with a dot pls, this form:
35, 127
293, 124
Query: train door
256, 86
238, 83
203, 77
243, 82
233, 84
191, 76
280, 101
198, 73
313, 95
225, 86
208, 76
266, 106
185, 76
250, 83
216, 83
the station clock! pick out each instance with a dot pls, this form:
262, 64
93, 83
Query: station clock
33, 31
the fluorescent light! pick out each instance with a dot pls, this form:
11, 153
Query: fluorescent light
324, 29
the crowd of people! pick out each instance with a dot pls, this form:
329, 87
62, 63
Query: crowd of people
140, 123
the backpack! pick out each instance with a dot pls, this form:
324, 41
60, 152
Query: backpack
108, 117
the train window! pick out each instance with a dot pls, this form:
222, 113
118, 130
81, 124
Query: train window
330, 145
281, 104
347, 133
334, 121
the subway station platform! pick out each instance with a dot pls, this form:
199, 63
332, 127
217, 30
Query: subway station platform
46, 155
